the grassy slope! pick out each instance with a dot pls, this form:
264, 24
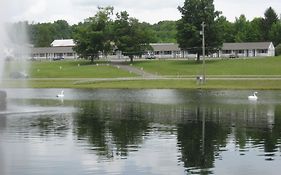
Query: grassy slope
257, 66
70, 69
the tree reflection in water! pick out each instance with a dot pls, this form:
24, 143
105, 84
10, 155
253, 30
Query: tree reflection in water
203, 131
112, 129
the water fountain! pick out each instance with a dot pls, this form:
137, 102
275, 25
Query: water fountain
13, 48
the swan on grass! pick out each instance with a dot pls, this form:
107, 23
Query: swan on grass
60, 95
253, 97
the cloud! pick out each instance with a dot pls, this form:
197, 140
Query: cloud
250, 8
152, 11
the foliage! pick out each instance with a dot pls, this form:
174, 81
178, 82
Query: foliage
278, 50
194, 13
186, 31
165, 31
275, 33
93, 37
130, 36
43, 34
270, 18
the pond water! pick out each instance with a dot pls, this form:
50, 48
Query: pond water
140, 132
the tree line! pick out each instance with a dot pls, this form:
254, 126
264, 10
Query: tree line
107, 31
220, 30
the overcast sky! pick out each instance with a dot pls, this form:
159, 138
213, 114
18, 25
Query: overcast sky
151, 11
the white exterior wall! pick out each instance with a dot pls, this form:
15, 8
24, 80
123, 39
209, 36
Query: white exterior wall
54, 55
271, 50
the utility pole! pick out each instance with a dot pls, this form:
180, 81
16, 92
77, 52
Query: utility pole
203, 50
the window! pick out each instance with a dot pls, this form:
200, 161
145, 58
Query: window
262, 50
167, 52
241, 51
226, 51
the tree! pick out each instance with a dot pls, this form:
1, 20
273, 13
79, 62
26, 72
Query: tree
93, 37
246, 31
226, 29
278, 50
194, 12
131, 38
43, 34
165, 31
275, 33
62, 29
270, 18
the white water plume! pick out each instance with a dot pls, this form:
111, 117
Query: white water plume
14, 48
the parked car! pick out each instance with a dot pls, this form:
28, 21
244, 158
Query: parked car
18, 75
149, 56
233, 56
58, 58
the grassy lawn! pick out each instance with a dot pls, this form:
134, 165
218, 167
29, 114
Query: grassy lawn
74, 69
255, 66
71, 71
151, 84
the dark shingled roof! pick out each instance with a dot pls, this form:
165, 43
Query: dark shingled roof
165, 47
246, 46
38, 50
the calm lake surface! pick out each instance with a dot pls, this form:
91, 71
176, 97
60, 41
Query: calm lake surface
140, 132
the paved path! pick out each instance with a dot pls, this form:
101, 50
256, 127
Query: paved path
130, 68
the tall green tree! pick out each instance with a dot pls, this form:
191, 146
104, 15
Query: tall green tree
43, 34
270, 18
246, 31
194, 12
131, 38
94, 36
62, 29
275, 33
165, 31
226, 29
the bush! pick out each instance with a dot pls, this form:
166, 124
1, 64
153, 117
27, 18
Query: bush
278, 50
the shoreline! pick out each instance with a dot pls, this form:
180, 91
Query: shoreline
234, 83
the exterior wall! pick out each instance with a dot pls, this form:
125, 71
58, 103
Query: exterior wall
167, 54
271, 50
248, 53
49, 56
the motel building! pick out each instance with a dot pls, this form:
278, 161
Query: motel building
63, 49
59, 49
251, 49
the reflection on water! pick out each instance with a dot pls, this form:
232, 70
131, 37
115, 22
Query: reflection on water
141, 132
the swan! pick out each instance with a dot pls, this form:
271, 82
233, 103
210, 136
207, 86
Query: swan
253, 97
60, 95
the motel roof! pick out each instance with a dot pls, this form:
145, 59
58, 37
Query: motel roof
165, 47
38, 50
246, 46
63, 43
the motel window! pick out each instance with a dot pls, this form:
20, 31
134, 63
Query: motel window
69, 54
241, 51
262, 51
226, 51
167, 52
42, 55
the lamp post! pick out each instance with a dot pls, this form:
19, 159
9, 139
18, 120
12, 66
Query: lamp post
203, 50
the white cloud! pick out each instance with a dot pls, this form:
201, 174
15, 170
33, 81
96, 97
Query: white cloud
151, 11
250, 8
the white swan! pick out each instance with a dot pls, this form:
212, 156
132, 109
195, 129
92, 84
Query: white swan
61, 94
253, 97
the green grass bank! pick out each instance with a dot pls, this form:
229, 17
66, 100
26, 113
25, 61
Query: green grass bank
254, 73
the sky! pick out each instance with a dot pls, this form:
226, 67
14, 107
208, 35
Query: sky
151, 11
